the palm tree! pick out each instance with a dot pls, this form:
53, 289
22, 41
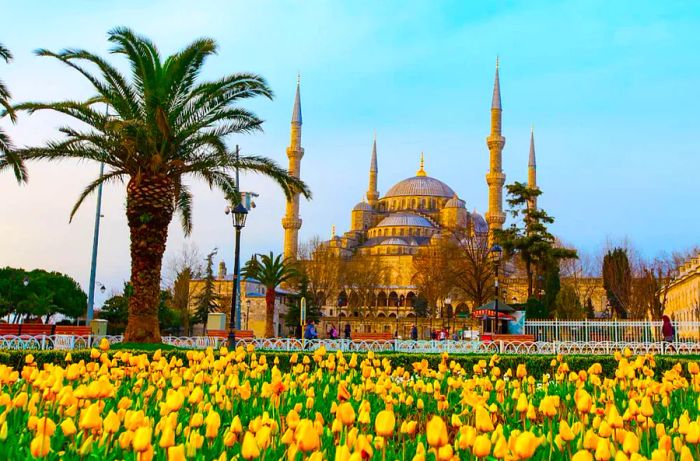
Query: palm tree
162, 125
8, 156
271, 271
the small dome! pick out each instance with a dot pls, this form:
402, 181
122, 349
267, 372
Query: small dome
362, 206
420, 186
455, 202
480, 224
394, 241
404, 219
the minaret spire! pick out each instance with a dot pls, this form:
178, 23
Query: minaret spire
532, 170
291, 221
421, 170
495, 178
372, 191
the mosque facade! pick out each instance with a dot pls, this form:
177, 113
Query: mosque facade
398, 225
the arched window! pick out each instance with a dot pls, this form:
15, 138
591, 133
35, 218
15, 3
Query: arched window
410, 297
381, 299
393, 299
343, 299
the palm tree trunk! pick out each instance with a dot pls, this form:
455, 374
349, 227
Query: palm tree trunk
270, 296
149, 210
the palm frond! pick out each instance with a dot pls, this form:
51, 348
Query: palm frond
183, 206
104, 179
5, 53
9, 158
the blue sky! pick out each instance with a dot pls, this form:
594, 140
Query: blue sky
611, 88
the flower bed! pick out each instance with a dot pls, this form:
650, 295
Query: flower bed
241, 404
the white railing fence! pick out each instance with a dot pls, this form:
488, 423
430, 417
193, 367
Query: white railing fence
643, 331
63, 342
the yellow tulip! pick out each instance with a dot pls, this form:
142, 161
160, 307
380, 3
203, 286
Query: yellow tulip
522, 404
167, 437
565, 432
482, 446
40, 446
345, 413
526, 444
249, 449
142, 439
111, 423
693, 435
582, 455
602, 451
483, 420
177, 453
306, 437
213, 422
436, 432
45, 426
631, 443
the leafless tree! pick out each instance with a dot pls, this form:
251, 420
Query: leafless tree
469, 264
322, 268
362, 276
432, 275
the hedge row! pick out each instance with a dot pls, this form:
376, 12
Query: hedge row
537, 365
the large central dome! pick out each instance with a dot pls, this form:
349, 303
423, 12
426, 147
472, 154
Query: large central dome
420, 186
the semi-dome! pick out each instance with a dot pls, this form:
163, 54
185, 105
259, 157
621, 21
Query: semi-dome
362, 206
404, 219
420, 186
454, 202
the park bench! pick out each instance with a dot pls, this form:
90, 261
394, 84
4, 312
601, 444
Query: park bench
73, 330
383, 336
26, 329
240, 334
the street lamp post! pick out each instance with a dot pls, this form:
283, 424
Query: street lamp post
400, 303
247, 314
496, 252
239, 213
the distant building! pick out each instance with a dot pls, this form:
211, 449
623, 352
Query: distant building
253, 314
683, 296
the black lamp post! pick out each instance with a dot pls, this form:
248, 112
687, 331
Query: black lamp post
496, 252
238, 216
401, 301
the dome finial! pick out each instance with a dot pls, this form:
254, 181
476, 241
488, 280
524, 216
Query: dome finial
421, 171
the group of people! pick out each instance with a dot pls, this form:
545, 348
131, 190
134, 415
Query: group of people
310, 331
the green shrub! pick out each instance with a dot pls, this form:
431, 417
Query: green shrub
537, 365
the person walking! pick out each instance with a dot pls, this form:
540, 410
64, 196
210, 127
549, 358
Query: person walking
414, 333
333, 334
348, 331
667, 329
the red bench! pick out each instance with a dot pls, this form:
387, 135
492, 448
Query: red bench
26, 329
240, 334
73, 330
383, 336
38, 329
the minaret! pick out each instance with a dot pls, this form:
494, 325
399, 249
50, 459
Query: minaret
291, 222
372, 192
495, 178
532, 171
